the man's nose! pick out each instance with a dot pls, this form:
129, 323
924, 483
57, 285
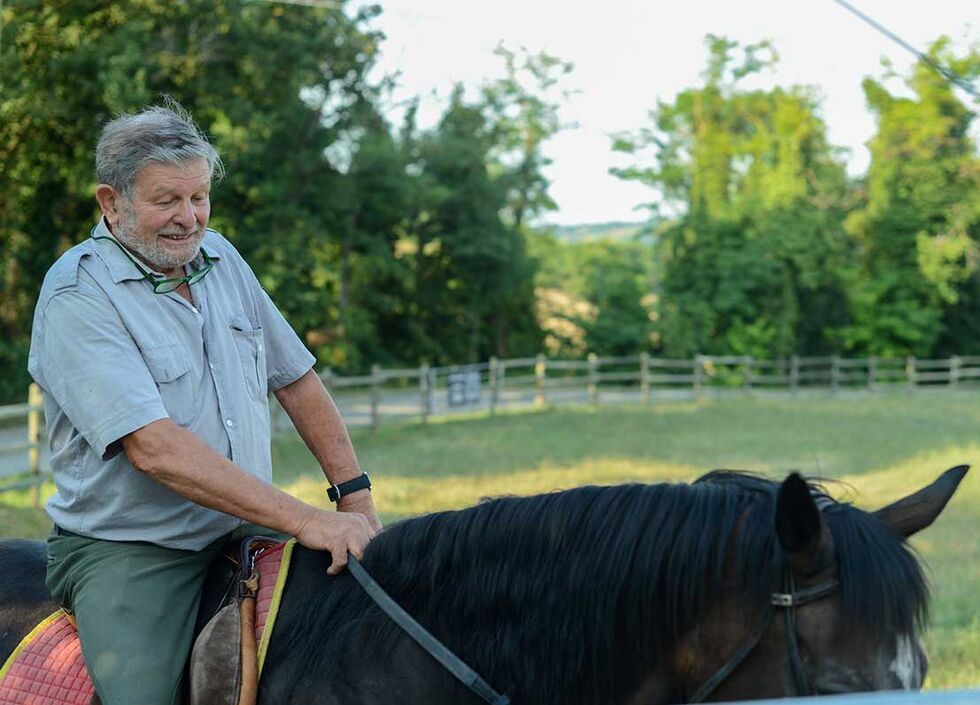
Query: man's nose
185, 215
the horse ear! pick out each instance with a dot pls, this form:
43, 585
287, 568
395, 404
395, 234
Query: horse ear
801, 528
917, 511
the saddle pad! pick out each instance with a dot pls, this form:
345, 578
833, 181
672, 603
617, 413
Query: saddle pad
273, 567
47, 668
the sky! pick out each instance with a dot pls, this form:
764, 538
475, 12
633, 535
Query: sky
628, 54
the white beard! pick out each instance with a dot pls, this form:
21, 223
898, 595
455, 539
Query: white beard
151, 250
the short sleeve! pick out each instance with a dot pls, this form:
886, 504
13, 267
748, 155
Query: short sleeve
287, 359
90, 365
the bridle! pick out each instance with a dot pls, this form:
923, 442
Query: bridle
788, 601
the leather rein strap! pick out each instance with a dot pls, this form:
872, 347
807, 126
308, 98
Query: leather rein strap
789, 600
450, 661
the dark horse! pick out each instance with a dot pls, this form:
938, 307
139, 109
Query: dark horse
633, 594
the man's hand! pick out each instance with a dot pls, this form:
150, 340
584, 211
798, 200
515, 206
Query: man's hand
361, 502
337, 532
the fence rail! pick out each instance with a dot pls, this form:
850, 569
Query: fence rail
419, 393
33, 414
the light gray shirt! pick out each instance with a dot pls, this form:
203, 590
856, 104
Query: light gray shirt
112, 356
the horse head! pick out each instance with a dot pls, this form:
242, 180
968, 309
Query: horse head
846, 617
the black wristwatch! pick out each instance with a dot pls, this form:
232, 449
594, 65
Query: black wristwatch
361, 482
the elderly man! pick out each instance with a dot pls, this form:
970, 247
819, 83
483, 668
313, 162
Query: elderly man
156, 348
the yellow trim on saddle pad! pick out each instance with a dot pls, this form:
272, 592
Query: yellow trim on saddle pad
270, 620
31, 635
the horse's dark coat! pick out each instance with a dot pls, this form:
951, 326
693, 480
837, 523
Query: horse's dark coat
572, 597
23, 600
568, 597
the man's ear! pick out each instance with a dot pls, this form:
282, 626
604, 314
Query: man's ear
111, 203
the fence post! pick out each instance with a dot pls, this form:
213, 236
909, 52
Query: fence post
501, 378
593, 378
425, 391
375, 396
645, 376
910, 371
835, 372
698, 374
36, 401
540, 375
492, 383
749, 367
794, 374
954, 371
872, 371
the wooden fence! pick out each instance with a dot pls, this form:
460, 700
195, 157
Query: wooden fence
419, 393
29, 416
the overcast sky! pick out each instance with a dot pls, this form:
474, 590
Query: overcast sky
630, 53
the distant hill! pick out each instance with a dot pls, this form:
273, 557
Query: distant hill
599, 231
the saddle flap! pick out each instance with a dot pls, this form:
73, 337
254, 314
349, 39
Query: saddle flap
216, 664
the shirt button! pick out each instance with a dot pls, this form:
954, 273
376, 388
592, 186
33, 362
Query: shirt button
211, 365
260, 347
194, 309
229, 423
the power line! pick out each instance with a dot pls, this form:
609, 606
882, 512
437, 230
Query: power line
949, 75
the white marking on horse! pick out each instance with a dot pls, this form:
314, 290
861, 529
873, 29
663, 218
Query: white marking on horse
905, 666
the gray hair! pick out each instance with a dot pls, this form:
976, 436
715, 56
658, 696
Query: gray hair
156, 135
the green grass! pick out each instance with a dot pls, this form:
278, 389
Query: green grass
880, 447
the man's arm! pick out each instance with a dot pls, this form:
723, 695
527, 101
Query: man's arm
321, 427
179, 460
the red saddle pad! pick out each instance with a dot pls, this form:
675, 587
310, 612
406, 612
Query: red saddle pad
47, 668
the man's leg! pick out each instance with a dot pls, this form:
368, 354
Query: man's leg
136, 604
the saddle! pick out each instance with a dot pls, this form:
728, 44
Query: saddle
234, 626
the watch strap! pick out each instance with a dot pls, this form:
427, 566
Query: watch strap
361, 482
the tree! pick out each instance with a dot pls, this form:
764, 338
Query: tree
522, 108
749, 263
274, 85
914, 289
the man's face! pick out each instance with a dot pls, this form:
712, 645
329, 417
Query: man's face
164, 221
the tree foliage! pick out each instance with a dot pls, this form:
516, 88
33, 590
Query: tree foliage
402, 244
772, 250
379, 245
914, 289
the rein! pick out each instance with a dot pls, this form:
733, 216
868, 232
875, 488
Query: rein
789, 601
450, 661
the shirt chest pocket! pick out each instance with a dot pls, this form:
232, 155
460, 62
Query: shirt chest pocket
250, 344
169, 365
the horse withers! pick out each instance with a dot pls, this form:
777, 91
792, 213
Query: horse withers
732, 587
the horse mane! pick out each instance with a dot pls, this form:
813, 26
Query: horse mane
567, 596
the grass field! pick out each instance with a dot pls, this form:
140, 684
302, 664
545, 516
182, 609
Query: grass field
880, 447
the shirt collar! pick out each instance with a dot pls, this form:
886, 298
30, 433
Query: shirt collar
120, 267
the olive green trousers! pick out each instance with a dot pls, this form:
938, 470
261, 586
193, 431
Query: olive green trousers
136, 606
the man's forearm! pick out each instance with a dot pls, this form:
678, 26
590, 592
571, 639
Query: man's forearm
179, 460
322, 429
